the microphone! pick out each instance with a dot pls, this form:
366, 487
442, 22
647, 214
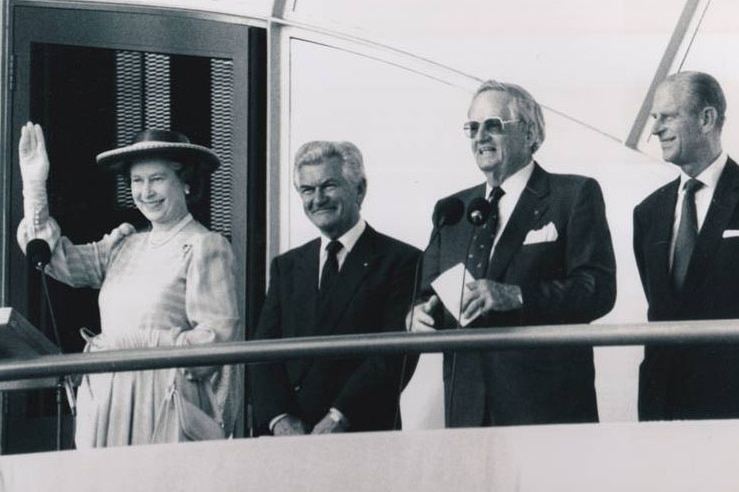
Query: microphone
38, 253
448, 211
478, 211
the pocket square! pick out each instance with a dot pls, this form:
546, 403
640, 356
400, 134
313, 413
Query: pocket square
730, 233
547, 234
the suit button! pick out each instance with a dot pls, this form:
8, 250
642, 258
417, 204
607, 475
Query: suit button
297, 388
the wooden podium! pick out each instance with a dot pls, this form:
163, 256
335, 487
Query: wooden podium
20, 340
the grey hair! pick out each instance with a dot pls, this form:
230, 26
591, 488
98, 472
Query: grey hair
318, 151
703, 91
524, 105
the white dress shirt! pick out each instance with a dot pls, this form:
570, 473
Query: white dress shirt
513, 187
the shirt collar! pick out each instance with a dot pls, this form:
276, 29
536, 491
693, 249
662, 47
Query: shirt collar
516, 182
350, 237
710, 175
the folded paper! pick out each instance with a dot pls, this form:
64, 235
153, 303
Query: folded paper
448, 286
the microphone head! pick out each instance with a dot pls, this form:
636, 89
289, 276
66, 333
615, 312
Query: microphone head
38, 253
478, 211
448, 211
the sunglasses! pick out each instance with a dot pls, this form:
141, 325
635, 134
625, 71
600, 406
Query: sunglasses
491, 126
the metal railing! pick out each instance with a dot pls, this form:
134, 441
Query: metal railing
672, 333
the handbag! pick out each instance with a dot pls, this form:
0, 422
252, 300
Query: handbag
180, 420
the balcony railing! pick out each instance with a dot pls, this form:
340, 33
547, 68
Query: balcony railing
669, 333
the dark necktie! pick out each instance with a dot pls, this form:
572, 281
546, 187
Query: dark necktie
330, 268
687, 233
484, 237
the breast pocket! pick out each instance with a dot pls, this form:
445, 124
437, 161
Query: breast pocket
726, 260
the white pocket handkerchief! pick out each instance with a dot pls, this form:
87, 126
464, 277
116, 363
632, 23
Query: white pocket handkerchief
547, 234
730, 233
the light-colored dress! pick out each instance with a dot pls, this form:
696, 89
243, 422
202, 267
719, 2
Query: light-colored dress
179, 291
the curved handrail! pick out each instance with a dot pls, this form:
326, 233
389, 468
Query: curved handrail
689, 332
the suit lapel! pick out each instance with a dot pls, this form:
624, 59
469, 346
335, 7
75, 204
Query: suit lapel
305, 287
527, 213
722, 208
659, 239
355, 268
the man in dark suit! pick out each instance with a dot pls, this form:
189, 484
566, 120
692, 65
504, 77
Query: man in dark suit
686, 242
351, 280
544, 256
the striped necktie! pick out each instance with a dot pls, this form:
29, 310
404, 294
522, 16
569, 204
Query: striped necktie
687, 233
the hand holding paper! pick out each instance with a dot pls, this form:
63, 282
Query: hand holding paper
421, 317
478, 296
449, 287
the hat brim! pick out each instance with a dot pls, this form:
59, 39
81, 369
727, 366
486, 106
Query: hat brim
120, 159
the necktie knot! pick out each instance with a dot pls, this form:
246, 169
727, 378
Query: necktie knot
691, 186
495, 195
333, 247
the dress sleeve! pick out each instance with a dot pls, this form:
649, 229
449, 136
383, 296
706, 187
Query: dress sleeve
48, 230
75, 265
212, 309
210, 293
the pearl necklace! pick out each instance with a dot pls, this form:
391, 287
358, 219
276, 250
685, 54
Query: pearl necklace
163, 238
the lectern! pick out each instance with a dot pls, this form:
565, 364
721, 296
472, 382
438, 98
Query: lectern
19, 340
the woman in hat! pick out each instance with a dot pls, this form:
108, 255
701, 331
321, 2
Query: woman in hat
172, 285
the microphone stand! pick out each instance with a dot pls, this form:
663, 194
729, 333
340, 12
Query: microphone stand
477, 216
404, 367
448, 212
64, 383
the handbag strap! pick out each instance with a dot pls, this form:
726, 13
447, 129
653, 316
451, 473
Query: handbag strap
171, 390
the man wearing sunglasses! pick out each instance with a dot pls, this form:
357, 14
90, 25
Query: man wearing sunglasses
537, 251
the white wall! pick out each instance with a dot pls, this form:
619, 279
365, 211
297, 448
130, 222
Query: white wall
408, 127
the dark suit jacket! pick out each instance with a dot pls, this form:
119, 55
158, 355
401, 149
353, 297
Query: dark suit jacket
699, 381
372, 293
570, 280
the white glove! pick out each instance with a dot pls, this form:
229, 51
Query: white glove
119, 233
34, 164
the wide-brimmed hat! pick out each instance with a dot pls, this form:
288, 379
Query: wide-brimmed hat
166, 144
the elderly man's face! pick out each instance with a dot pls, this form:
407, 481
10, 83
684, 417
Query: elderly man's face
677, 127
499, 152
330, 201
